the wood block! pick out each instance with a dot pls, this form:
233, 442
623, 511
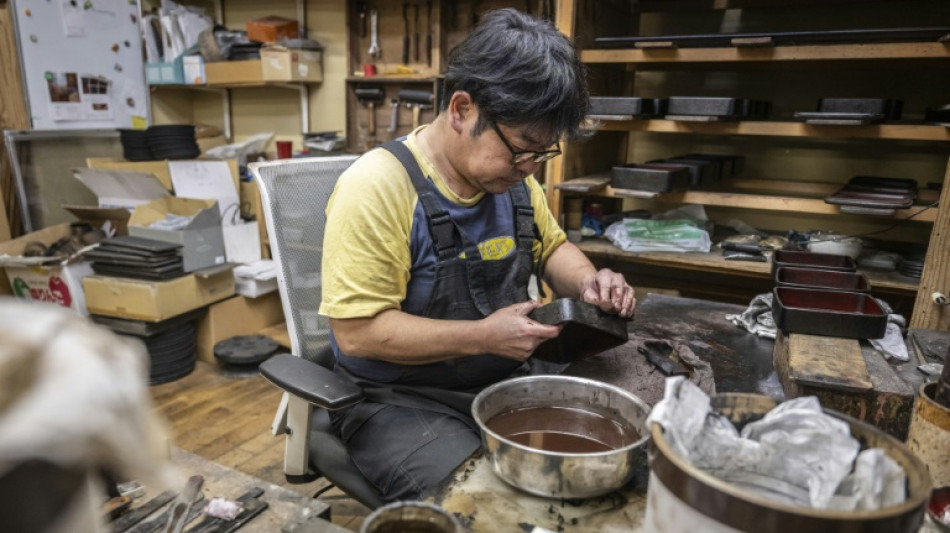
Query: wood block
878, 396
830, 362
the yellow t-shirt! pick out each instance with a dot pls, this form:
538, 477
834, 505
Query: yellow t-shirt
372, 242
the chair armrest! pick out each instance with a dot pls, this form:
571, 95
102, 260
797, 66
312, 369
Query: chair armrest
310, 381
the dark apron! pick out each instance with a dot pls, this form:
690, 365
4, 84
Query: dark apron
464, 288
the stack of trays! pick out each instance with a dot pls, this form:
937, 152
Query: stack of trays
626, 107
173, 141
852, 111
135, 145
820, 294
245, 51
872, 195
170, 343
681, 172
714, 108
912, 267
135, 257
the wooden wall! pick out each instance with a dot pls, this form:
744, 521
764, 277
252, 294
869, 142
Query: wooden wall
13, 115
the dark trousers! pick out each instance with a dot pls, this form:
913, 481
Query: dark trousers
405, 452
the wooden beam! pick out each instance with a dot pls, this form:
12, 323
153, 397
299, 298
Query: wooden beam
936, 275
13, 115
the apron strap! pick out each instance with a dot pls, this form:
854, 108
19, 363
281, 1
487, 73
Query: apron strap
441, 227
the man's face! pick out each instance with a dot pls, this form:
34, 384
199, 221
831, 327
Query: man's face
496, 160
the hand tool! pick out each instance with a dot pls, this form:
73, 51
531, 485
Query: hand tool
415, 30
394, 116
429, 32
405, 37
370, 96
361, 7
416, 100
135, 516
177, 518
158, 524
374, 51
661, 354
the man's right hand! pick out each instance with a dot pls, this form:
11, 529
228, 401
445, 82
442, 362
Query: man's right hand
510, 333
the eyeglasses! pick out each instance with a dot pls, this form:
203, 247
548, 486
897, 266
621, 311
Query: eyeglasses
523, 156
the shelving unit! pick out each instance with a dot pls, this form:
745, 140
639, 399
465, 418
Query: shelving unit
648, 71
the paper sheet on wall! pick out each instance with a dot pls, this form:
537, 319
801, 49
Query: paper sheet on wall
207, 180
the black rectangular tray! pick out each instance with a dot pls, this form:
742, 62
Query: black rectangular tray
891, 183
626, 105
809, 278
731, 165
925, 34
891, 109
651, 178
789, 258
702, 172
852, 315
587, 330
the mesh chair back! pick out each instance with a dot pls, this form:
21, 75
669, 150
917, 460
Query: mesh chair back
294, 195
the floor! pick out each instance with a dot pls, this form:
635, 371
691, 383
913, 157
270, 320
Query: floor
226, 418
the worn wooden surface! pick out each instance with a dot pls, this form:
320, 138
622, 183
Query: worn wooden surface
888, 402
829, 362
936, 274
226, 419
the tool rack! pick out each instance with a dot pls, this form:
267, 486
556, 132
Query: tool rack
405, 60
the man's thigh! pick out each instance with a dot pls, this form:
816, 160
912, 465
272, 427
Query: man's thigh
405, 452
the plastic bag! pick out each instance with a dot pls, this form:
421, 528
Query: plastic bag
635, 235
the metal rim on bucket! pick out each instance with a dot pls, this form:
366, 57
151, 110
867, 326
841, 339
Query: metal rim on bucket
747, 511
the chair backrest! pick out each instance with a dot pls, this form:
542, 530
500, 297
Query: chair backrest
294, 195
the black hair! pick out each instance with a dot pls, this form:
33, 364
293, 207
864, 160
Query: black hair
520, 71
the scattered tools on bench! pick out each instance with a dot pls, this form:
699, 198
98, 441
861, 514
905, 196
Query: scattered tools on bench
178, 515
129, 519
664, 356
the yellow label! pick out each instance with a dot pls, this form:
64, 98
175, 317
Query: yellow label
139, 123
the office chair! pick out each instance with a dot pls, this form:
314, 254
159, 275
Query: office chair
294, 195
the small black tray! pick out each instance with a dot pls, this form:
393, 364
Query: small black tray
789, 258
839, 119
626, 105
852, 315
587, 330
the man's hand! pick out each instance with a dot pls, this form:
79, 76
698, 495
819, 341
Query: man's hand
609, 291
511, 334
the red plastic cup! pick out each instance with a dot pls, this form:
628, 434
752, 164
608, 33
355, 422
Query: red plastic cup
285, 149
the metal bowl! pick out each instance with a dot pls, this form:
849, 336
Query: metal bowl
560, 474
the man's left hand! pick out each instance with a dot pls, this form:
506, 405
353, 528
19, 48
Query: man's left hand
609, 291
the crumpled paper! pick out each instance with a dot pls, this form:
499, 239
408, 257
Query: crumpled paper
796, 454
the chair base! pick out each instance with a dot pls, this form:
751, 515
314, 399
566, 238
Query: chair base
302, 478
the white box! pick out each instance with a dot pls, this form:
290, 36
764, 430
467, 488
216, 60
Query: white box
194, 68
45, 279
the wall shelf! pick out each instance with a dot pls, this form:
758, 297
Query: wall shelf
826, 52
906, 132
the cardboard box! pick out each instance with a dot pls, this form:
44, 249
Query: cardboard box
154, 301
201, 239
236, 316
232, 72
159, 169
272, 29
193, 66
45, 279
287, 64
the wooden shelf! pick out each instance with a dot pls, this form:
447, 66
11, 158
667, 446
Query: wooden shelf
827, 52
392, 79
714, 262
907, 132
294, 84
767, 202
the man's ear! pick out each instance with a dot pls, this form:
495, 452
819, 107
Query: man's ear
461, 110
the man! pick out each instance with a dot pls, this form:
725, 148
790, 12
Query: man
429, 247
